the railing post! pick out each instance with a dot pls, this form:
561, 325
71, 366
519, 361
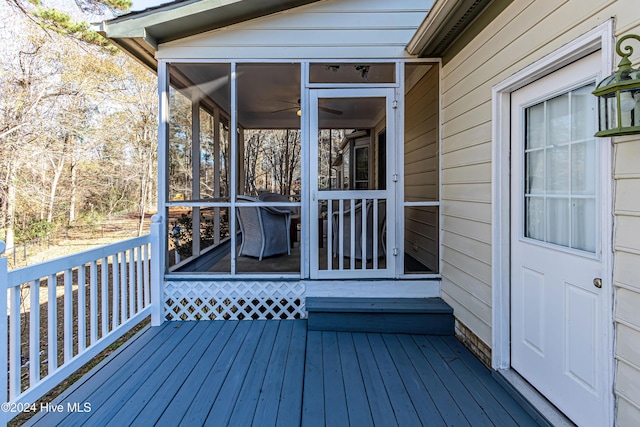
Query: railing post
4, 327
157, 271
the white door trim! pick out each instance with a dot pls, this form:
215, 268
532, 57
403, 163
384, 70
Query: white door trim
599, 38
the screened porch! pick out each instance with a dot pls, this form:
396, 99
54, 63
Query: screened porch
332, 172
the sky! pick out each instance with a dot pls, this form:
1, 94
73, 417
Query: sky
144, 4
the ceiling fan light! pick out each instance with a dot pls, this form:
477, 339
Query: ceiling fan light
299, 112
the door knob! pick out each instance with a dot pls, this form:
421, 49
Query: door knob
597, 282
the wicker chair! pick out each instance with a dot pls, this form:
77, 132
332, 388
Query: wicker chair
265, 230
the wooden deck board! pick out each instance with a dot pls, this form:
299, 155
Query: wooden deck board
313, 407
204, 398
381, 409
355, 393
335, 402
168, 372
112, 396
290, 409
398, 395
418, 394
149, 411
223, 405
267, 408
278, 373
182, 399
496, 413
247, 401
446, 404
515, 410
472, 411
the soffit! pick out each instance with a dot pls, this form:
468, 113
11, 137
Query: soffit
445, 23
140, 33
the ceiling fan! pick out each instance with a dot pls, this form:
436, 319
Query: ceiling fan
299, 111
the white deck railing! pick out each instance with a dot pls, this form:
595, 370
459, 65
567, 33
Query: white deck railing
91, 299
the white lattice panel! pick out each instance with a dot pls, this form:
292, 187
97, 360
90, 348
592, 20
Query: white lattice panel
233, 300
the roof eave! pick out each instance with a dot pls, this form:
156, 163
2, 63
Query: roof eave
444, 23
140, 33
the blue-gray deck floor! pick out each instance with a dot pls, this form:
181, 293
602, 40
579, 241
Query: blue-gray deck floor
267, 373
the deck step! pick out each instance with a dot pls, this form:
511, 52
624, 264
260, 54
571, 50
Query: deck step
425, 316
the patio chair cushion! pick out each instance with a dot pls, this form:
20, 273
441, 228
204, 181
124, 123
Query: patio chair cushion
265, 230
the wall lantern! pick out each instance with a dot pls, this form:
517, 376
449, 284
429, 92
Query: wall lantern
619, 97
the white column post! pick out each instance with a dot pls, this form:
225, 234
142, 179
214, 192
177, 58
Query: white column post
159, 222
195, 178
4, 327
157, 270
217, 164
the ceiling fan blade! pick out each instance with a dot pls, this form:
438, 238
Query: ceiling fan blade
330, 110
284, 109
288, 102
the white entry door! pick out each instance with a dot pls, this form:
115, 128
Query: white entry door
352, 204
559, 332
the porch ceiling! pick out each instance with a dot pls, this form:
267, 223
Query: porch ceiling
269, 96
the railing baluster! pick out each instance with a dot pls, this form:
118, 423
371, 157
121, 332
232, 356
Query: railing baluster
34, 332
123, 287
139, 277
52, 330
115, 290
375, 234
132, 283
68, 316
352, 234
145, 268
104, 295
4, 326
93, 302
363, 234
341, 235
329, 234
14, 342
82, 304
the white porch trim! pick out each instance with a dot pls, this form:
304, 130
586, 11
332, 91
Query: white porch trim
373, 288
599, 38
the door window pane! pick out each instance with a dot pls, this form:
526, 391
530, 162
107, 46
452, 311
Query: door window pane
535, 126
560, 166
558, 120
535, 172
557, 179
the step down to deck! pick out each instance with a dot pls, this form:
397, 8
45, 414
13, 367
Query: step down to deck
425, 316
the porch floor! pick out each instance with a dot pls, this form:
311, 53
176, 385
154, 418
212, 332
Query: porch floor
277, 373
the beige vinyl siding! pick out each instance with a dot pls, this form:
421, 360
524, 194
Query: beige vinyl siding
330, 29
626, 276
421, 172
523, 33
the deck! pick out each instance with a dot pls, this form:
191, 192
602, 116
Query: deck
277, 373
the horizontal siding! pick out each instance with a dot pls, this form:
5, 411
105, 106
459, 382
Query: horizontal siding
328, 29
524, 32
627, 278
421, 169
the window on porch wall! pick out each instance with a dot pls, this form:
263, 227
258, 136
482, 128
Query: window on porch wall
199, 166
268, 165
269, 173
421, 170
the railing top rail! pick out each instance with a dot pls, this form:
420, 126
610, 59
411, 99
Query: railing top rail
351, 194
37, 271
